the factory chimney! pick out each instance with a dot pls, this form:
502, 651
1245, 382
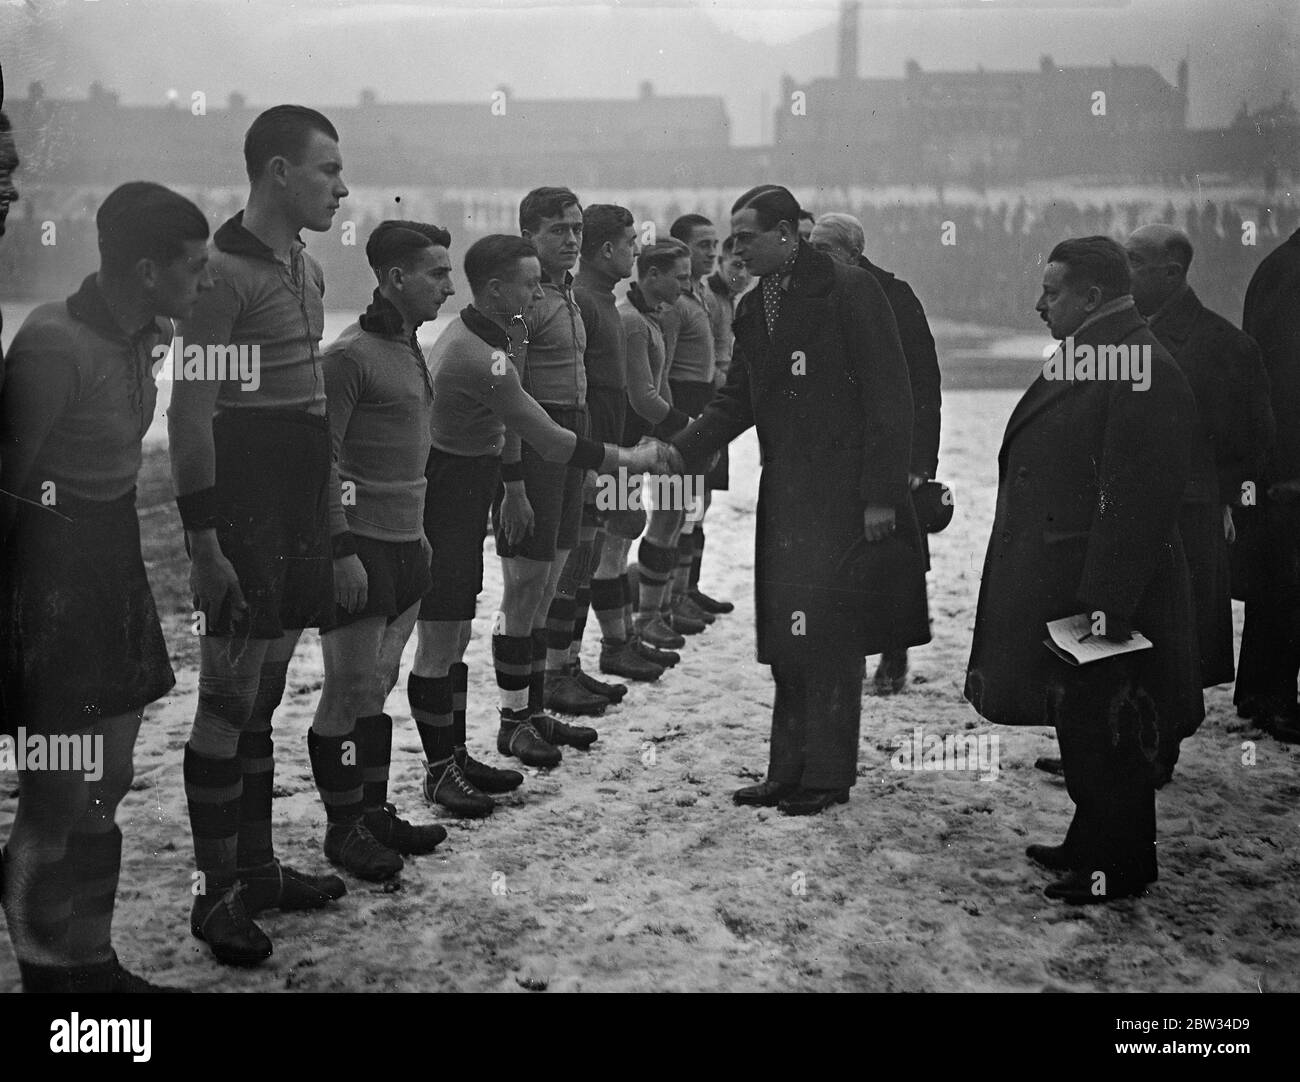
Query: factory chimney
849, 39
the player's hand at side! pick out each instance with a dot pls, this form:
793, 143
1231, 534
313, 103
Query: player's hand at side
350, 583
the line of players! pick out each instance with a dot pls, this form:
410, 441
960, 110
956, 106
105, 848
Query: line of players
350, 490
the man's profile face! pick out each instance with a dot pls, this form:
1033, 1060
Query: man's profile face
314, 186
558, 240
1152, 276
824, 240
427, 285
623, 253
523, 287
763, 251
177, 285
8, 166
1063, 306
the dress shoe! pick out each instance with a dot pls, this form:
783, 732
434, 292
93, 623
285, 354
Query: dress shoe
352, 847
446, 785
657, 633
687, 607
484, 778
277, 886
554, 731
812, 801
520, 739
622, 659
891, 672
1049, 856
660, 656
1049, 765
109, 977
1077, 889
1282, 726
399, 835
766, 794
613, 692
709, 604
222, 922
565, 695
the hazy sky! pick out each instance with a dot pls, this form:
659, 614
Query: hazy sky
323, 52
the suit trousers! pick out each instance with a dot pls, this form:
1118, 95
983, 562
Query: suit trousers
1114, 825
1270, 639
815, 720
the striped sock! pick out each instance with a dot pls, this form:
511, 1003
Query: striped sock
559, 632
607, 601
213, 790
656, 563
459, 674
43, 902
512, 657
336, 766
682, 572
95, 860
374, 735
537, 674
581, 607
431, 707
257, 763
698, 558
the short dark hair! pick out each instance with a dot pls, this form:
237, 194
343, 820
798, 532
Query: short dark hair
542, 203
728, 243
394, 243
602, 222
772, 205
1094, 261
495, 256
662, 255
684, 228
143, 220
282, 131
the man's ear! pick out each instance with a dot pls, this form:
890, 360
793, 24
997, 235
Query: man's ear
1094, 300
147, 274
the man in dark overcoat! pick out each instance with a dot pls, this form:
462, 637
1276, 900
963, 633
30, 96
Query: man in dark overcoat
1270, 640
819, 370
1235, 427
842, 237
1090, 475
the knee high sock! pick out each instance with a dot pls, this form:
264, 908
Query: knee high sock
38, 905
625, 598
96, 862
698, 558
512, 656
257, 763
537, 673
656, 563
459, 674
607, 601
682, 572
374, 735
431, 707
214, 789
559, 630
593, 536
336, 766
214, 772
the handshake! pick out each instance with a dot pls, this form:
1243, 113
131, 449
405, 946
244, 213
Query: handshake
652, 456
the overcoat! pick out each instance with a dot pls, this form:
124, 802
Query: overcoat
830, 398
1090, 475
1235, 428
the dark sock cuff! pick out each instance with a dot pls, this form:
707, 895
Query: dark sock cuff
660, 559
605, 594
431, 694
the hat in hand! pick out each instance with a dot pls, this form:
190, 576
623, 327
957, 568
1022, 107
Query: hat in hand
933, 503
